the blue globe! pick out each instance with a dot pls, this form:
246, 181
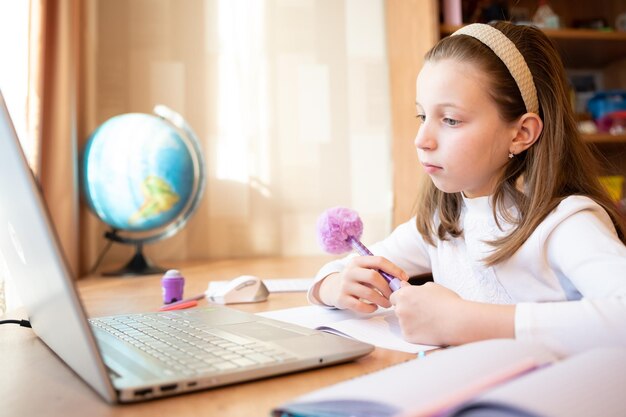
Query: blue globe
138, 172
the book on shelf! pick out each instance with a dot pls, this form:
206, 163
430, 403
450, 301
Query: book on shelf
495, 378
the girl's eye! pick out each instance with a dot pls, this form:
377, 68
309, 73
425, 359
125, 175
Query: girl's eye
421, 117
451, 122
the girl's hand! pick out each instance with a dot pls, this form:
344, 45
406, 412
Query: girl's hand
428, 313
359, 287
433, 314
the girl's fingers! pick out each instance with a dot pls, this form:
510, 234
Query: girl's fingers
360, 286
378, 262
372, 295
368, 278
368, 271
359, 306
358, 296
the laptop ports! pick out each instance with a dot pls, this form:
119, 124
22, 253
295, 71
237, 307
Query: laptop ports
142, 392
169, 387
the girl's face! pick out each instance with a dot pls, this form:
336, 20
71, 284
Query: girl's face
462, 142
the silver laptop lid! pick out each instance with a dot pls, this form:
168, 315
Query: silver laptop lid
31, 256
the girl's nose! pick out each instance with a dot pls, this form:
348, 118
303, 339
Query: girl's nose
424, 139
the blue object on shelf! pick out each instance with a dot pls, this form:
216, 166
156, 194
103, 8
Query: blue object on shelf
605, 102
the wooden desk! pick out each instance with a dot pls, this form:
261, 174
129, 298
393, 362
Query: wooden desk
34, 382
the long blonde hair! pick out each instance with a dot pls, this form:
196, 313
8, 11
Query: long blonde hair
559, 163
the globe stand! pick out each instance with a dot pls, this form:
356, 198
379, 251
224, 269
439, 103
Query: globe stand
138, 264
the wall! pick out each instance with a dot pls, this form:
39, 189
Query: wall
290, 99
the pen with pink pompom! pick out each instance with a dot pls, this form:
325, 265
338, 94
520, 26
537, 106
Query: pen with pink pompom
339, 230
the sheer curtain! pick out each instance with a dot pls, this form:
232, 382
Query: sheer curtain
289, 98
54, 102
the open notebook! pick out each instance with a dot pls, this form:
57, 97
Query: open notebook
380, 328
496, 378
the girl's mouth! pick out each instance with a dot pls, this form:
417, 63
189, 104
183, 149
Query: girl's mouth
430, 168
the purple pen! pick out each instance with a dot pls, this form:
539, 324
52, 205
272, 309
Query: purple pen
339, 230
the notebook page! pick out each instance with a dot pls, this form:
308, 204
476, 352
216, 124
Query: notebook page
592, 383
308, 316
382, 330
379, 329
419, 383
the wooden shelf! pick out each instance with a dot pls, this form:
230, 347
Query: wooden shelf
579, 48
586, 34
604, 138
565, 33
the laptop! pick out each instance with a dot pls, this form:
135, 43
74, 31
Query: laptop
136, 357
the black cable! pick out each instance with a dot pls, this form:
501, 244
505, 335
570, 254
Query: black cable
103, 252
23, 323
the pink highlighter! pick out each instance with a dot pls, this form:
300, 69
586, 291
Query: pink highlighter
339, 230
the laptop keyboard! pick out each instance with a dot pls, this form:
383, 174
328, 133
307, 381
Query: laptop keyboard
187, 347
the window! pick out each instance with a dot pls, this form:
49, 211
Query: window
14, 17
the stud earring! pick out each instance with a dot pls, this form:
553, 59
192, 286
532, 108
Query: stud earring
511, 155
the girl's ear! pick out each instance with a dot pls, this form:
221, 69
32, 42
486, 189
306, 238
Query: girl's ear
528, 129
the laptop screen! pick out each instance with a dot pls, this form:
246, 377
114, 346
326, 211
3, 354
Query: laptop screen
31, 257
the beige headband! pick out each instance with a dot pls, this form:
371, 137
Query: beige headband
508, 53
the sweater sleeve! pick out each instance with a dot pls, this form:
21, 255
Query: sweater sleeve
583, 249
405, 247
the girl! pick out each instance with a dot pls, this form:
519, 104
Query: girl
518, 233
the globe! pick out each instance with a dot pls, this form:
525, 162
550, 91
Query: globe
143, 176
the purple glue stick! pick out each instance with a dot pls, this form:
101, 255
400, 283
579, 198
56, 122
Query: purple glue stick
172, 285
339, 230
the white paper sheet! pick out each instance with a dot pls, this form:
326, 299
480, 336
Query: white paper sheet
380, 328
273, 285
